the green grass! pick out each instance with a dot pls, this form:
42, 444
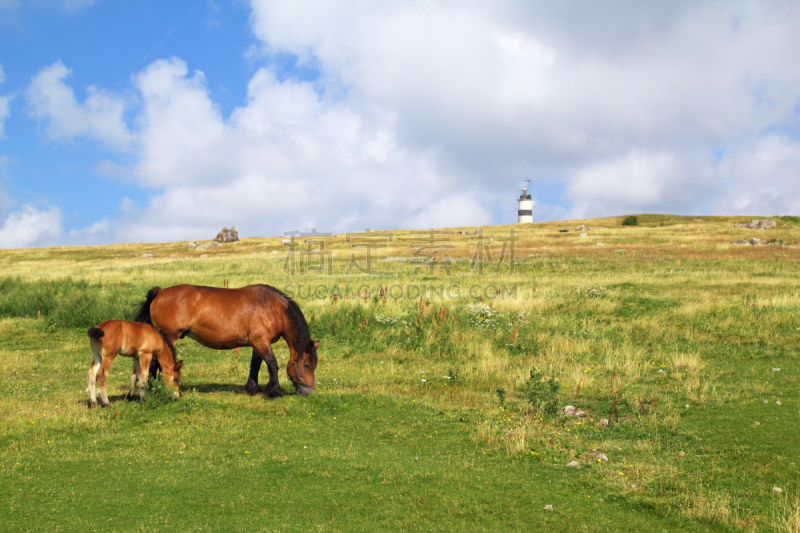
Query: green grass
667, 331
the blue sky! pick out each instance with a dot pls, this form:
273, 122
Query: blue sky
277, 116
104, 44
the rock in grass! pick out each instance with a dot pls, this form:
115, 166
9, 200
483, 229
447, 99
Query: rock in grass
584, 234
777, 489
573, 463
191, 244
602, 422
227, 235
776, 369
756, 423
146, 255
548, 507
583, 227
757, 242
778, 402
601, 457
758, 224
681, 453
739, 242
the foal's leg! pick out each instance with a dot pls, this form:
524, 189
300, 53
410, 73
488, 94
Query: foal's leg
144, 371
273, 388
134, 379
102, 376
92, 390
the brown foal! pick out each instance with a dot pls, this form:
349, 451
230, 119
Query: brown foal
129, 339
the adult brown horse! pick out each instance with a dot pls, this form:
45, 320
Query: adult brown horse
256, 315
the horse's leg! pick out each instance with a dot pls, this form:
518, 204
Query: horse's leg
252, 387
102, 376
273, 388
134, 379
92, 390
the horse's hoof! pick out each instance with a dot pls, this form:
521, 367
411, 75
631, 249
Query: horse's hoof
105, 405
252, 388
275, 392
129, 398
91, 404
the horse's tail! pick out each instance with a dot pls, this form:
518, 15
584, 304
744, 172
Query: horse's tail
143, 313
95, 332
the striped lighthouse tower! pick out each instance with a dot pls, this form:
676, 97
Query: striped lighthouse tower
525, 206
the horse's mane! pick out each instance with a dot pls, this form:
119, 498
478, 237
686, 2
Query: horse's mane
302, 335
169, 345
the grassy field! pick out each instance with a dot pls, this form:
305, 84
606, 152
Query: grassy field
440, 404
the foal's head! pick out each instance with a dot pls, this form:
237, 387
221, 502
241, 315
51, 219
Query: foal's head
301, 369
172, 374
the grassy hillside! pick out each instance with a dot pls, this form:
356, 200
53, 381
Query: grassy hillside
440, 404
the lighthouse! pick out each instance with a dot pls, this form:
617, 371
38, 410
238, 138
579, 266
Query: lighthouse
525, 206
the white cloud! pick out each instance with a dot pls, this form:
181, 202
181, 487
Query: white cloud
763, 179
100, 115
29, 226
76, 5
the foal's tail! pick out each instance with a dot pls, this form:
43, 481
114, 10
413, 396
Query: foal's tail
95, 332
143, 313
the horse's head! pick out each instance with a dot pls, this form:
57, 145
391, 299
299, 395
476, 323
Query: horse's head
301, 369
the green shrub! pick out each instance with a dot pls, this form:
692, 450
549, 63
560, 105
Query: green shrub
631, 220
542, 393
64, 302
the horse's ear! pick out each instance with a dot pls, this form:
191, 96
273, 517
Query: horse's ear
316, 345
178, 366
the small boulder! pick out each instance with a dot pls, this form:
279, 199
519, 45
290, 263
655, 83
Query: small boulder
548, 507
757, 242
758, 224
227, 235
573, 463
568, 410
777, 489
583, 227
191, 244
756, 423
